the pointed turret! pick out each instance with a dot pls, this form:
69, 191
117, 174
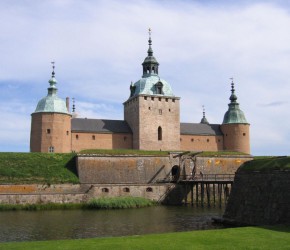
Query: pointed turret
235, 127
150, 64
203, 120
234, 113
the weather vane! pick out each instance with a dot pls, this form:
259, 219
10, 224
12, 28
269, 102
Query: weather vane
149, 31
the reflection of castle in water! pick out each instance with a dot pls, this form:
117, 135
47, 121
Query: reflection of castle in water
151, 122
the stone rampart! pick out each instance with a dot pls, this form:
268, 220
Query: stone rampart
260, 198
114, 169
63, 193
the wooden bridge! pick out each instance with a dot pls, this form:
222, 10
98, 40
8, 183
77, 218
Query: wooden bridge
205, 189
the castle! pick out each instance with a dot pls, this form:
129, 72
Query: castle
151, 122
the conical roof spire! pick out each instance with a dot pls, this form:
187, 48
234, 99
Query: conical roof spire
52, 82
52, 103
203, 120
234, 114
150, 64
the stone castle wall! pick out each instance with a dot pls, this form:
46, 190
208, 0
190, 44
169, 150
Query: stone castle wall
69, 193
124, 169
81, 141
201, 143
260, 198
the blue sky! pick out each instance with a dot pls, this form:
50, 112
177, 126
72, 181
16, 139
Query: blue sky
98, 47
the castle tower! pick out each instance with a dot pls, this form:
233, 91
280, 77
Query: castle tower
152, 111
51, 123
235, 127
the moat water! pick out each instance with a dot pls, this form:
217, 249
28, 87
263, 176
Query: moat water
75, 224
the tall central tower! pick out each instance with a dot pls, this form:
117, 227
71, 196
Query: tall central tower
152, 111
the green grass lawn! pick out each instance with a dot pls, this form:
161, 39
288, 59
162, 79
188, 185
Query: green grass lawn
274, 238
19, 168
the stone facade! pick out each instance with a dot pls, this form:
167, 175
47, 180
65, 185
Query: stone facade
124, 169
154, 121
260, 198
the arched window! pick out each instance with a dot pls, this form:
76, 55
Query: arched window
126, 190
105, 190
149, 189
51, 149
159, 133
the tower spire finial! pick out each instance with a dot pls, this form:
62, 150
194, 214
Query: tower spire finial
203, 120
73, 106
53, 73
233, 97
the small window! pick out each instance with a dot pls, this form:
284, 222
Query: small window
219, 140
166, 99
173, 100
77, 137
160, 111
169, 110
152, 98
67, 133
192, 140
226, 134
180, 139
149, 189
126, 190
159, 99
105, 190
125, 138
244, 134
48, 131
94, 137
149, 108
159, 133
207, 140
51, 149
145, 98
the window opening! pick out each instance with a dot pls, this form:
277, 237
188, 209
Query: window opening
48, 131
159, 133
51, 149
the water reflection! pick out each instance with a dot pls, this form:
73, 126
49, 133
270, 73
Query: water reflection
73, 224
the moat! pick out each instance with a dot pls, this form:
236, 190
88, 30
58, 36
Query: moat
74, 224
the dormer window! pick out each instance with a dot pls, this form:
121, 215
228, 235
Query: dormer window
159, 87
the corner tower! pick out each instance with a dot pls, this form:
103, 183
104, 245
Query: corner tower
235, 127
51, 123
152, 111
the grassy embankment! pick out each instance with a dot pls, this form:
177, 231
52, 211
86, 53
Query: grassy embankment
100, 203
263, 164
37, 168
231, 238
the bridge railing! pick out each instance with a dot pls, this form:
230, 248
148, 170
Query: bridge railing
210, 177
199, 177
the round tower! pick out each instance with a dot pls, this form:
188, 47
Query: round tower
51, 123
235, 127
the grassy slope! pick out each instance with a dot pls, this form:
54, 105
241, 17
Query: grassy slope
37, 168
266, 164
232, 238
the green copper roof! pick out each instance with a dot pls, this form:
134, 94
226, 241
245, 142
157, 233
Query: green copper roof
150, 83
52, 103
234, 114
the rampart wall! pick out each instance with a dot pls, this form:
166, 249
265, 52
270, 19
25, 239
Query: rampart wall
260, 198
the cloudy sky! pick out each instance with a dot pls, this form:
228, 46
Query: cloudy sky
98, 47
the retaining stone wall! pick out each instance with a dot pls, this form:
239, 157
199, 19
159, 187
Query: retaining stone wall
260, 198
